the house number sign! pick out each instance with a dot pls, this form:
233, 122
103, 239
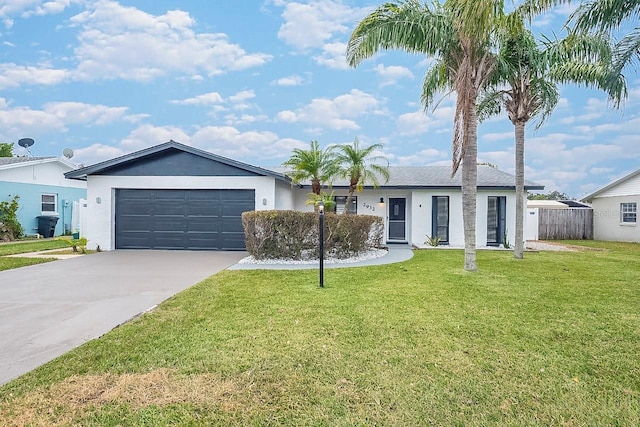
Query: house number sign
369, 207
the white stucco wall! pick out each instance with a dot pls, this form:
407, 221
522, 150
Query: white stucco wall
419, 211
606, 219
100, 210
284, 196
44, 173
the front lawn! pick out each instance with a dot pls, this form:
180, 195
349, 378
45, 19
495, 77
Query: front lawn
550, 340
26, 247
31, 246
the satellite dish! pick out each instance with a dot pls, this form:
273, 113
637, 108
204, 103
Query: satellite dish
68, 153
26, 142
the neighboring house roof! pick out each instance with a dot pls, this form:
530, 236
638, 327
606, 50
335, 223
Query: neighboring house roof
18, 162
575, 204
546, 204
440, 177
103, 168
609, 186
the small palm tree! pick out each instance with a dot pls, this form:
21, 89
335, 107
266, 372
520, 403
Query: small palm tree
317, 165
359, 166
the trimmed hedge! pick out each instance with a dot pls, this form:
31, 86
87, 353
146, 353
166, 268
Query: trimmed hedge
294, 235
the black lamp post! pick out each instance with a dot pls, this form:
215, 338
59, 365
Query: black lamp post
321, 214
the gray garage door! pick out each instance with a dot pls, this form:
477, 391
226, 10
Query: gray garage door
181, 219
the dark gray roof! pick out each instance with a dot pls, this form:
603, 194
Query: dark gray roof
13, 160
440, 177
101, 167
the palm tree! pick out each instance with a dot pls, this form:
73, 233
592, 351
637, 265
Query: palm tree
317, 165
528, 93
606, 16
359, 166
530, 75
458, 34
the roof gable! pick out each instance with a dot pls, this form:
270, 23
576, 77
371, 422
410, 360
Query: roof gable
172, 159
627, 185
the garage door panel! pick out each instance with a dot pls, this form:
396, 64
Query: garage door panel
233, 226
168, 224
181, 219
203, 208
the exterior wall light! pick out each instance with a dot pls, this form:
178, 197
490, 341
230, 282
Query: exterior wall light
382, 200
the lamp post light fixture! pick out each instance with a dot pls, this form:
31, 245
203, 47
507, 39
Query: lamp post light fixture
321, 233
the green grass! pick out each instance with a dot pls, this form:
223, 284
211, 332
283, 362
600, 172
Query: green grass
26, 247
31, 246
10, 263
553, 339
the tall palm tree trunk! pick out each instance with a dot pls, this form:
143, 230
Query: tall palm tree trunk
470, 189
353, 186
518, 250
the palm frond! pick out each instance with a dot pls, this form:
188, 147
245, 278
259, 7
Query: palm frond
409, 26
604, 15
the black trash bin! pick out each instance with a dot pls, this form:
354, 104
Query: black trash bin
47, 225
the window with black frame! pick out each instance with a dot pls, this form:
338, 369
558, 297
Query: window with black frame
341, 202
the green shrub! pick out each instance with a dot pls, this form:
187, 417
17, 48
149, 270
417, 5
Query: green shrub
10, 227
75, 243
294, 235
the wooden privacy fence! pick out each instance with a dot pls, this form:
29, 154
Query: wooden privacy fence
561, 224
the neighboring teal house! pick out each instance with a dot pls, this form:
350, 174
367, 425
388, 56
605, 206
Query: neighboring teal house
43, 191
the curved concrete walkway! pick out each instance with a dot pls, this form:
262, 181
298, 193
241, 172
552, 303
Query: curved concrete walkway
396, 253
49, 309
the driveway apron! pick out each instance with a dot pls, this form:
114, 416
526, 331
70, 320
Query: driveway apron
49, 309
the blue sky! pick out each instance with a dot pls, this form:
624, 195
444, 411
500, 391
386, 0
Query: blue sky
253, 79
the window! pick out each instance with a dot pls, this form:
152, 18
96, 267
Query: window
628, 213
440, 218
49, 203
340, 202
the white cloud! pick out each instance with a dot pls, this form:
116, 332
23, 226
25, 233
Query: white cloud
210, 98
222, 140
148, 135
96, 153
13, 75
391, 74
293, 80
427, 156
242, 96
333, 56
501, 136
418, 122
313, 24
81, 113
127, 43
57, 116
243, 119
336, 113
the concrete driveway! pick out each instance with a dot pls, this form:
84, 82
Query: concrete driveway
49, 309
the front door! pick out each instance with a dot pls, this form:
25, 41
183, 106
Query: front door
397, 218
496, 220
